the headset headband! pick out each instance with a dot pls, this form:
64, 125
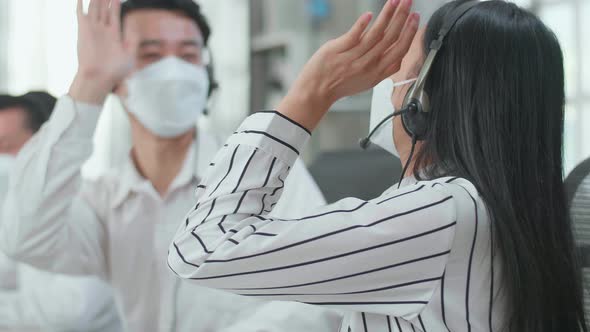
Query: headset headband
435, 46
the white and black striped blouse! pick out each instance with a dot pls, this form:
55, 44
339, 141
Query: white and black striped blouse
417, 258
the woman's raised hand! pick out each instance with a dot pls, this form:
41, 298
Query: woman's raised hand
352, 63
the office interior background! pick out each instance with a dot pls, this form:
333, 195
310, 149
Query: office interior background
258, 46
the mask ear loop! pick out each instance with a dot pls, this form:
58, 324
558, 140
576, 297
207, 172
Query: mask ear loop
407, 165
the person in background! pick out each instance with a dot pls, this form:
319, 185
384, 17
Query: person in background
21, 117
30, 299
57, 221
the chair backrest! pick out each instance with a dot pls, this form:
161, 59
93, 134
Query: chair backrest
577, 186
355, 173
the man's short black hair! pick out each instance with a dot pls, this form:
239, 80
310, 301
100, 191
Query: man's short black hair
187, 7
37, 105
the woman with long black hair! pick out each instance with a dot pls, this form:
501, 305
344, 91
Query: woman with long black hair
476, 236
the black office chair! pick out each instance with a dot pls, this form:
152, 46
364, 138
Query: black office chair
577, 187
355, 173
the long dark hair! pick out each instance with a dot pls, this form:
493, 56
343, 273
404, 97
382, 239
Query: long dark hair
497, 92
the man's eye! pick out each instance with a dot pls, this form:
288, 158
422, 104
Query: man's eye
191, 57
150, 56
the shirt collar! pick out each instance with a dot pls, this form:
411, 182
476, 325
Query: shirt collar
196, 163
407, 181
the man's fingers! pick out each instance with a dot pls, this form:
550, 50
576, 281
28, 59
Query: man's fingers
353, 36
94, 10
115, 14
80, 10
104, 12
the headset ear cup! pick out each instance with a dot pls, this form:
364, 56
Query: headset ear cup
213, 84
415, 120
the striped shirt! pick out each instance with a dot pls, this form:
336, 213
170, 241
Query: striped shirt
417, 258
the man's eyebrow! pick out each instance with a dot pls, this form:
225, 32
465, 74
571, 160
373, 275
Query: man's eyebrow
190, 42
157, 42
150, 42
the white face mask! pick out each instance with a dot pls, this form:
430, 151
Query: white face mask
168, 97
381, 108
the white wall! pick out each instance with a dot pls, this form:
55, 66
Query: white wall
41, 51
40, 46
230, 46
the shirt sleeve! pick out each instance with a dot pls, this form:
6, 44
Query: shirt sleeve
301, 194
46, 221
59, 303
8, 274
384, 256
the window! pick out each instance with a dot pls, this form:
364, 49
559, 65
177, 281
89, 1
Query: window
41, 45
568, 19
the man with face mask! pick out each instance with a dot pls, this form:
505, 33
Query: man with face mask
118, 226
33, 300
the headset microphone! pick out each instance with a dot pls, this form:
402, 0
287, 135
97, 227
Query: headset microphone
365, 143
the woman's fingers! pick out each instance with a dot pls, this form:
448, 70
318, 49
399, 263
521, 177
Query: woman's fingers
353, 36
391, 35
376, 32
395, 28
391, 60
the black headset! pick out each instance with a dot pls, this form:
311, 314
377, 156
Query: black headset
417, 103
213, 83
416, 106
